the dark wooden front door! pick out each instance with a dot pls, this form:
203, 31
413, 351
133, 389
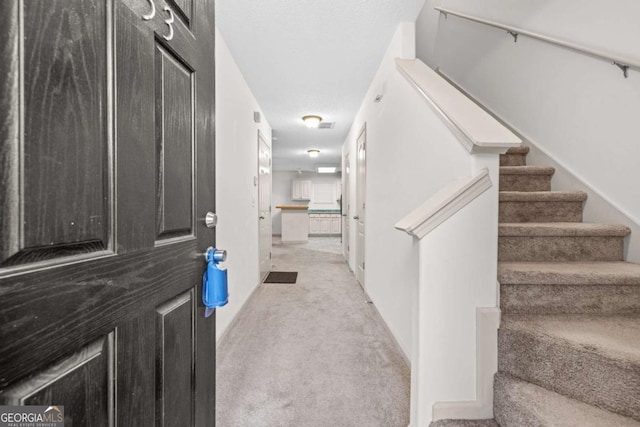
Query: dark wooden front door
106, 174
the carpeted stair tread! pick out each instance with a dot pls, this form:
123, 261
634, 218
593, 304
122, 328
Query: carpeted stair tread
614, 337
464, 423
569, 273
519, 403
527, 170
561, 229
594, 359
542, 196
523, 149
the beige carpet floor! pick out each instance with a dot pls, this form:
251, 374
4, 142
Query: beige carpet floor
310, 354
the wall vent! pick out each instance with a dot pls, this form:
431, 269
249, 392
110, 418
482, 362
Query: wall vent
326, 125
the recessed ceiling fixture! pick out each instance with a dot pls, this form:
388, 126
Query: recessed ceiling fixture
312, 121
326, 169
313, 153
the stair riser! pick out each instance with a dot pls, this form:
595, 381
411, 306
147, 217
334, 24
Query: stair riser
569, 299
540, 212
513, 159
560, 249
525, 182
577, 372
509, 411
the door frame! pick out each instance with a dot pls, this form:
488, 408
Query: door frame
361, 197
261, 138
346, 205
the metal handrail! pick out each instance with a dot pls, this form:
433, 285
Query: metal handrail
623, 63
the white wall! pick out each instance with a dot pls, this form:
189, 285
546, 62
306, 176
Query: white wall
282, 193
427, 293
236, 194
578, 110
411, 154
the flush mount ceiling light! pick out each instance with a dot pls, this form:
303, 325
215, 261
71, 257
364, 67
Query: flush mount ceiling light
326, 169
313, 153
312, 121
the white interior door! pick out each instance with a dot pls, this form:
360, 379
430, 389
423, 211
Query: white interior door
264, 205
346, 207
361, 179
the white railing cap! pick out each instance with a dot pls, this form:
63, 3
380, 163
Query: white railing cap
443, 204
476, 129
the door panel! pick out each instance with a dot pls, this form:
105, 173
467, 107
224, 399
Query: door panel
82, 380
107, 156
58, 169
175, 356
174, 133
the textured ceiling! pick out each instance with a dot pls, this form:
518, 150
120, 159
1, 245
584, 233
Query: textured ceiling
310, 57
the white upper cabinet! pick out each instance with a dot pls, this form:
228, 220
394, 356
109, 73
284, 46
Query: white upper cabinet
300, 190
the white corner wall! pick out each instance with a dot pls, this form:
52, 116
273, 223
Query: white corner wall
411, 155
578, 110
236, 194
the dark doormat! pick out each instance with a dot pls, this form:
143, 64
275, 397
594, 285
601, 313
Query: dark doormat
282, 277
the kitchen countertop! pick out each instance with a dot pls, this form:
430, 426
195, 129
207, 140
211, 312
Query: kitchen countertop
288, 207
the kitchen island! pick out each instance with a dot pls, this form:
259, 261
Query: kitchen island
295, 224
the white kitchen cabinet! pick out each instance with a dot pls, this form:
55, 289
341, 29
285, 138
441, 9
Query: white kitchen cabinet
336, 224
314, 224
300, 189
324, 224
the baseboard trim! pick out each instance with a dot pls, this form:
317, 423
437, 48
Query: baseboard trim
368, 300
487, 323
236, 318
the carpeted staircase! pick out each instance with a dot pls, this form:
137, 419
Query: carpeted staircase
569, 341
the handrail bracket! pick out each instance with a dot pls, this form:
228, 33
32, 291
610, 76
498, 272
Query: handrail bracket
514, 35
623, 67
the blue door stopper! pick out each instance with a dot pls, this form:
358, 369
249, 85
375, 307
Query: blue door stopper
215, 291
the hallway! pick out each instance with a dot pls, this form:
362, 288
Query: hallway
311, 353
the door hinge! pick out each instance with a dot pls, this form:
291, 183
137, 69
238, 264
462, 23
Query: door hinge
363, 265
270, 255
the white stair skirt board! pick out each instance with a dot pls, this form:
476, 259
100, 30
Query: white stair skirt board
487, 323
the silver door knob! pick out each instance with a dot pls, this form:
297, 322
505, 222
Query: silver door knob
356, 217
261, 216
219, 255
211, 219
